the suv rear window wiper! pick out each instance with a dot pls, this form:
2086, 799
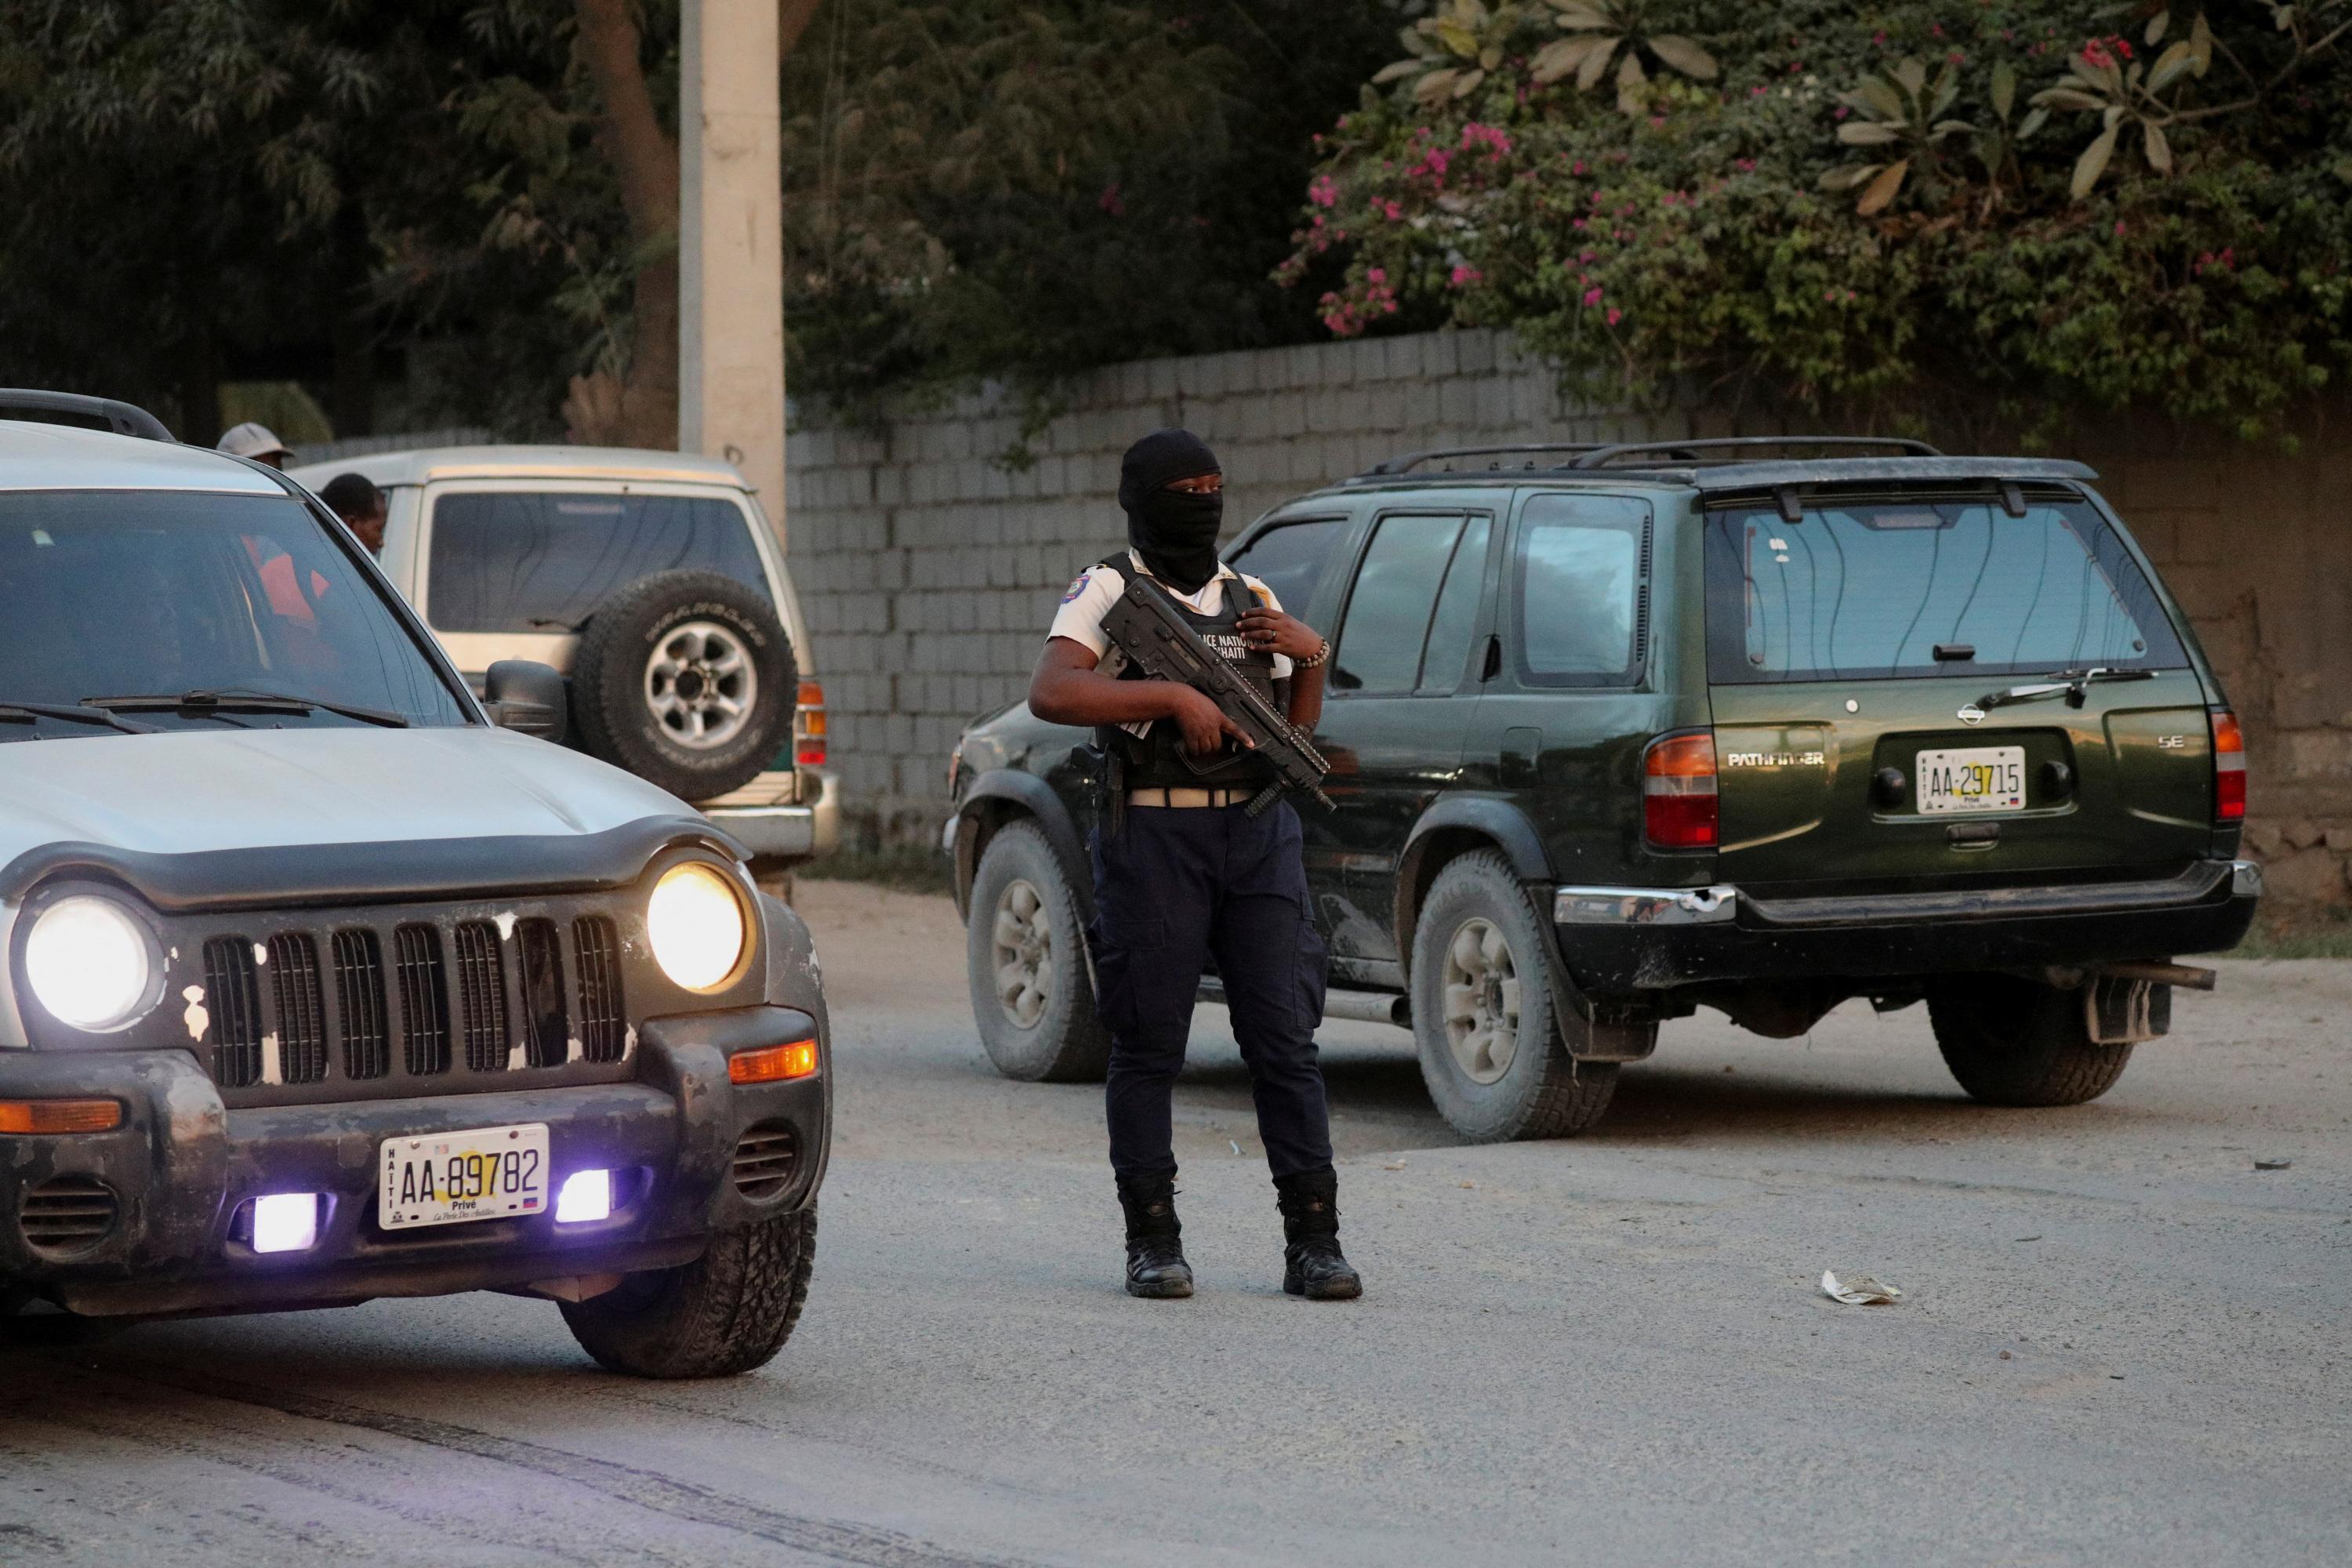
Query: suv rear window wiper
235, 701
2075, 683
12, 713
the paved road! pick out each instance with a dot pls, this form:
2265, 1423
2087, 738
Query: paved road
2118, 1344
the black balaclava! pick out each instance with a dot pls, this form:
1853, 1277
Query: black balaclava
1174, 532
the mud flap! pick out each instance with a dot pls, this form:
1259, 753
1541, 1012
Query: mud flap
2120, 1012
1591, 1034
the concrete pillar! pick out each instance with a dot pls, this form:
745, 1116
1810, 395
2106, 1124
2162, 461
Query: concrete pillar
730, 352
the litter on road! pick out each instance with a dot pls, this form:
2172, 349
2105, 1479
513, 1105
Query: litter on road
1860, 1291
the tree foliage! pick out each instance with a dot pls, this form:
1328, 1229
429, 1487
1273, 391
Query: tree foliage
1025, 187
426, 196
1873, 210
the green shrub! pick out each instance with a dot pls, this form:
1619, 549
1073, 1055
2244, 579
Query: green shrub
1863, 210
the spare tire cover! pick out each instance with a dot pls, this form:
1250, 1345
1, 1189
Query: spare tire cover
686, 680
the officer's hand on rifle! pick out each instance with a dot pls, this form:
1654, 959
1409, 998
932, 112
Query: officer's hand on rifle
1278, 632
1204, 725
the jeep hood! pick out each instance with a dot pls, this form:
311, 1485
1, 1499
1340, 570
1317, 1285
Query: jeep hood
187, 790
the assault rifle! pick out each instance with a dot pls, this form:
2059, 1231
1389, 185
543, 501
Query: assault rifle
1163, 645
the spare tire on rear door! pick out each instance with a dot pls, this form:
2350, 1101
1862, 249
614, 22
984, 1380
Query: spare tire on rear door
686, 680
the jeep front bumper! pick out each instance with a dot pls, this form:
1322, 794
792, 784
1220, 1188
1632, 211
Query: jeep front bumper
168, 1184
1621, 941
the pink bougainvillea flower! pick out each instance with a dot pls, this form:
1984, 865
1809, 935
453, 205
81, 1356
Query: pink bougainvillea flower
1615, 315
1592, 296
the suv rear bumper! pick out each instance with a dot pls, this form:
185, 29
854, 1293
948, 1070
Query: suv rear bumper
782, 815
181, 1167
1617, 940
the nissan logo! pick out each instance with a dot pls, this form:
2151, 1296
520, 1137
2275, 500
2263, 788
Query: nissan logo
1971, 715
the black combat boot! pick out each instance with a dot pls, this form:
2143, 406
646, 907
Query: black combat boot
1155, 1248
1312, 1264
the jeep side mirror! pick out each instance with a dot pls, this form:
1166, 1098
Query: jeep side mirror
528, 696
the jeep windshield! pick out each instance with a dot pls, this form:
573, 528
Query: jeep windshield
1893, 588
108, 593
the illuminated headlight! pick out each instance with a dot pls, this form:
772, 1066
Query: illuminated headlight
91, 963
696, 923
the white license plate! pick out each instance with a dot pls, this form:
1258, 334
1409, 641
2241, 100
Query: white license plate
1979, 778
447, 1178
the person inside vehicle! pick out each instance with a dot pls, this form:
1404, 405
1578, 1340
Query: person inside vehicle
1184, 873
360, 505
255, 440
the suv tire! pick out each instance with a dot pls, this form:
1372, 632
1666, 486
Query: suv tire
2016, 1042
1024, 926
658, 664
727, 1312
1493, 1055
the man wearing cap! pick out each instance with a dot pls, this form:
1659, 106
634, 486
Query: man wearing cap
255, 440
1184, 874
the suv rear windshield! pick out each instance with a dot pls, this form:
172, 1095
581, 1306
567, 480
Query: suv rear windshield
519, 560
1873, 590
158, 593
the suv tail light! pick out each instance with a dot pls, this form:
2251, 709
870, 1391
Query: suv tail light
2229, 768
1678, 793
808, 726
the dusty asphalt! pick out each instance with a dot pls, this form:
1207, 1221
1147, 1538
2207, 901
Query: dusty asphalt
2118, 1344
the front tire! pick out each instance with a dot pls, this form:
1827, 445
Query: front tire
1024, 951
1491, 1048
726, 1313
2016, 1042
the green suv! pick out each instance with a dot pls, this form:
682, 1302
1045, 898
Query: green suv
1762, 725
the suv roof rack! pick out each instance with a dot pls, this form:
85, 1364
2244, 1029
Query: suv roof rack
1740, 448
1413, 460
1706, 451
122, 418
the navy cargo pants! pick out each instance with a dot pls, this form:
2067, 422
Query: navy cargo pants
1174, 888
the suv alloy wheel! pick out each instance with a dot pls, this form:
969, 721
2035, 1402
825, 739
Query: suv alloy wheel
1491, 1049
1027, 966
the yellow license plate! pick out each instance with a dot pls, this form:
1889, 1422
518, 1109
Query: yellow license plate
1977, 778
449, 1178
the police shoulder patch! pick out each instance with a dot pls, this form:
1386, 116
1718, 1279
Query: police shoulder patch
1077, 586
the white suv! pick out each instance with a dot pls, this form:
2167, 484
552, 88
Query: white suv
654, 583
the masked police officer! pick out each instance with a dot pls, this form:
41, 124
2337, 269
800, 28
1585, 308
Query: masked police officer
1184, 874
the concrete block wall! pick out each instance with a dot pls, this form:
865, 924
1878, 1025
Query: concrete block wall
2256, 544
930, 568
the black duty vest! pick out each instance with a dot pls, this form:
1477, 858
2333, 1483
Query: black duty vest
1159, 761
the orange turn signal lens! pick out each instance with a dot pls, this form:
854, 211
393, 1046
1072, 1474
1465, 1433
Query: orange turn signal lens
772, 1064
808, 726
2229, 768
60, 1115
